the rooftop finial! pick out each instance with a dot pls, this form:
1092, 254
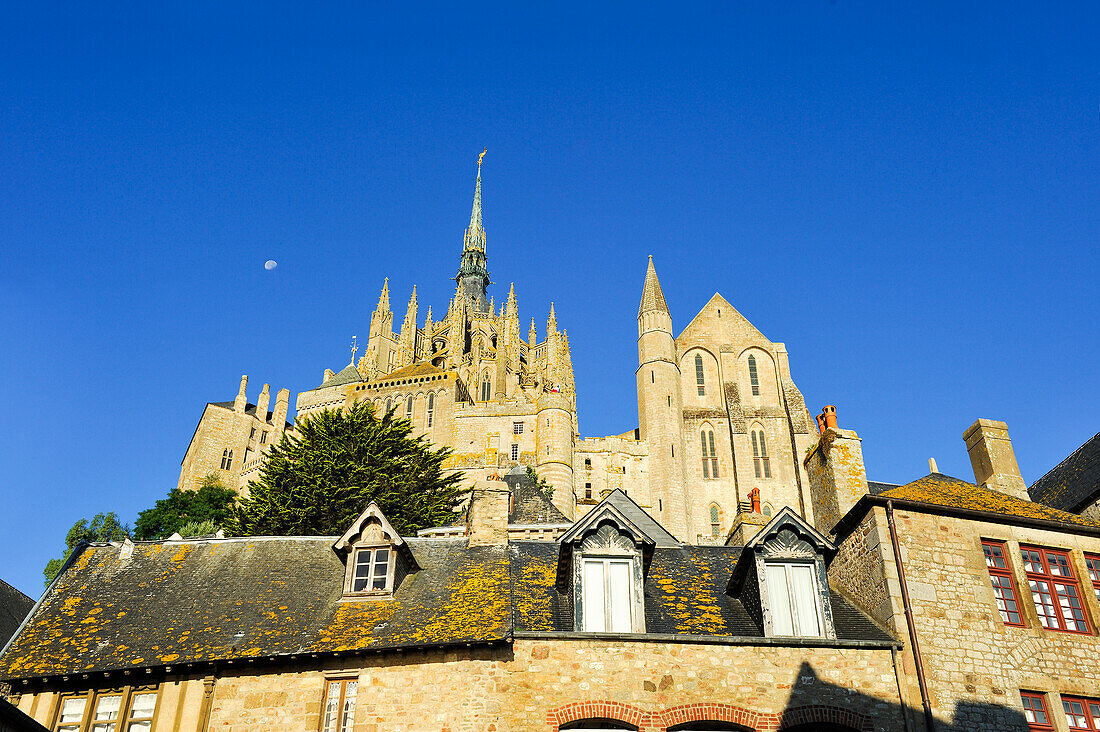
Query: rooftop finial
354, 347
479, 159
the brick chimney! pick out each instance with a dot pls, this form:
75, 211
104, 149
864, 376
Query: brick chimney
837, 476
993, 459
487, 516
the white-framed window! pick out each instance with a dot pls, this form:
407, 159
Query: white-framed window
123, 710
517, 428
515, 451
339, 707
793, 599
607, 594
373, 569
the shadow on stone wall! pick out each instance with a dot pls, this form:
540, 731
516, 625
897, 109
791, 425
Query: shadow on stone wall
819, 706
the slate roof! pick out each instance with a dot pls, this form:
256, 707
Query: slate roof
14, 606
937, 489
183, 602
1074, 483
876, 487
684, 595
347, 375
174, 603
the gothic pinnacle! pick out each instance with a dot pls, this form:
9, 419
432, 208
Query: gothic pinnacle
384, 298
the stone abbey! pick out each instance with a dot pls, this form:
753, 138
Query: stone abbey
720, 420
724, 567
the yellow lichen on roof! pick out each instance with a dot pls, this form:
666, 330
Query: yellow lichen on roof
476, 604
533, 598
943, 490
693, 600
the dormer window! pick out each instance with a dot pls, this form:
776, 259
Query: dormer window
375, 554
372, 570
603, 558
793, 599
781, 578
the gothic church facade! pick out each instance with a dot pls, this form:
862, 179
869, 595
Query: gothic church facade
721, 424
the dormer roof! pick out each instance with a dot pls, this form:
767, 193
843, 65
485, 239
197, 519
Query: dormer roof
372, 513
628, 516
776, 540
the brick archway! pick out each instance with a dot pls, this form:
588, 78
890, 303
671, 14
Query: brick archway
596, 710
708, 713
712, 712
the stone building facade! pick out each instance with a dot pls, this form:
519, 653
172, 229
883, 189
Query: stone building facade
719, 415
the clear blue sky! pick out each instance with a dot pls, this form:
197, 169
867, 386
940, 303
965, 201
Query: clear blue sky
907, 196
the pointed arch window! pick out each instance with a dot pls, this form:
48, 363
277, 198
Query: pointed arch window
700, 382
710, 455
486, 388
760, 462
714, 523
431, 409
409, 408
754, 378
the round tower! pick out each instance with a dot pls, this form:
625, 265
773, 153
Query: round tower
554, 445
660, 408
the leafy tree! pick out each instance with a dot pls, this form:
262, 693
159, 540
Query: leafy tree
211, 502
103, 527
317, 480
540, 483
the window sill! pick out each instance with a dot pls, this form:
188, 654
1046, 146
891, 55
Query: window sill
357, 596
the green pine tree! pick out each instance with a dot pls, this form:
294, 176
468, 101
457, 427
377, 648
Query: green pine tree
316, 481
103, 527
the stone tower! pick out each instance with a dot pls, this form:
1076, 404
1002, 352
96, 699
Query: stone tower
660, 405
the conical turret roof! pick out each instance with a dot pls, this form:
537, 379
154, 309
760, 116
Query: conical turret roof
652, 297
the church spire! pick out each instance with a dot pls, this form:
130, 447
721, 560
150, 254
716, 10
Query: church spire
473, 277
652, 297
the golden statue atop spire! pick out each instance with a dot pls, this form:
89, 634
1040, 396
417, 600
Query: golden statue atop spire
480, 158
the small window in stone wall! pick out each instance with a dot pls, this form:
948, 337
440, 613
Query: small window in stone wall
517, 428
339, 705
409, 408
1081, 713
588, 491
1000, 575
714, 524
754, 379
1035, 712
1092, 562
227, 459
252, 435
760, 461
700, 382
515, 451
263, 437
1054, 589
430, 417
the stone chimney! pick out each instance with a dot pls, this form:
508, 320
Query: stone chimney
992, 458
487, 516
262, 402
282, 403
837, 476
241, 401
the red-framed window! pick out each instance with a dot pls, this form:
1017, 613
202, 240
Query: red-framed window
1081, 713
1004, 589
1035, 711
1054, 589
1093, 563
